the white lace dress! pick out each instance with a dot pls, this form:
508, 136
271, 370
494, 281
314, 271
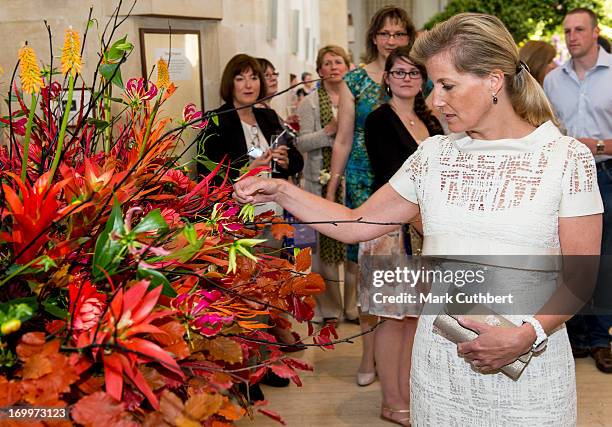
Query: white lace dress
500, 197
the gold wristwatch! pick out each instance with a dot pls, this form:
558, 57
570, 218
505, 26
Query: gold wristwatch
600, 147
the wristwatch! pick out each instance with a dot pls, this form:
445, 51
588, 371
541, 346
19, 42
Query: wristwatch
541, 337
600, 147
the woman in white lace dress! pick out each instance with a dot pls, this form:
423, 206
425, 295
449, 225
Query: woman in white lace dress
513, 186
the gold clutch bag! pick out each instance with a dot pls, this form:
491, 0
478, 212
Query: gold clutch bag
450, 328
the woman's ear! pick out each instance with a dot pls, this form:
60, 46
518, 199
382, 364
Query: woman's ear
386, 78
496, 78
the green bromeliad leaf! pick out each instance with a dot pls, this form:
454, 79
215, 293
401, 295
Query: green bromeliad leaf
153, 221
109, 252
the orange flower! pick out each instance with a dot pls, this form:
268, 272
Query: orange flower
71, 56
163, 76
29, 71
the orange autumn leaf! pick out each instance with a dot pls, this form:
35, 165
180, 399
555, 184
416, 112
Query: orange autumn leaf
101, 410
201, 406
230, 411
36, 366
281, 230
29, 344
197, 409
303, 260
10, 393
223, 348
172, 341
312, 284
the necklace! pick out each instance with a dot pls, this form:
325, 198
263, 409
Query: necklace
411, 122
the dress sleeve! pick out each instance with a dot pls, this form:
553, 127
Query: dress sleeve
353, 80
407, 180
580, 195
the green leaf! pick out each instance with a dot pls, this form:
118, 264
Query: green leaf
91, 22
215, 119
153, 221
99, 124
117, 49
190, 233
157, 279
19, 308
107, 71
51, 306
108, 251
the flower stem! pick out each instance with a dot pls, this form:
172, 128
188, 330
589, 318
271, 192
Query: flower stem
26, 140
60, 139
108, 136
149, 124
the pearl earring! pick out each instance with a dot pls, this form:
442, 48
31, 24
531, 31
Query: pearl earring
494, 99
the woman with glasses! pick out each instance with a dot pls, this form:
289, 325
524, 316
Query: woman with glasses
390, 28
271, 77
393, 133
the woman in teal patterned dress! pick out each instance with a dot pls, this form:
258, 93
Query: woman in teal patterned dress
390, 27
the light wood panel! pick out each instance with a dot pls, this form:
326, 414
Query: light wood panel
330, 397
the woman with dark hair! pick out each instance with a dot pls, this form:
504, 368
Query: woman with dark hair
539, 56
390, 27
271, 76
244, 135
393, 133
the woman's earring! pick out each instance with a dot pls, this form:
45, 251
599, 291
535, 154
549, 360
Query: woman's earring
494, 99
388, 89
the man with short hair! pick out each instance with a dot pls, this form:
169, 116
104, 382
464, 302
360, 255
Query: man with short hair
581, 94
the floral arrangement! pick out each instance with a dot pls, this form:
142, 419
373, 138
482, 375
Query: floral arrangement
130, 292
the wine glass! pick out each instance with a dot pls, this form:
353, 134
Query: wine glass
277, 140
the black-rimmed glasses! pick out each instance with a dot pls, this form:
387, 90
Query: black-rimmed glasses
401, 74
386, 35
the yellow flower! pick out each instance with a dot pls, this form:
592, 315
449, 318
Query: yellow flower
29, 71
163, 76
71, 56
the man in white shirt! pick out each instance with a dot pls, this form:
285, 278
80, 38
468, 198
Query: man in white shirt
581, 94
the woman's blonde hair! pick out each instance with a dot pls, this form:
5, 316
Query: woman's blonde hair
537, 55
335, 50
479, 44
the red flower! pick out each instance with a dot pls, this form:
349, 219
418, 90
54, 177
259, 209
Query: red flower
190, 114
87, 304
178, 179
137, 92
32, 217
130, 314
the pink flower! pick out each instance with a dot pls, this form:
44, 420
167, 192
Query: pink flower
137, 92
190, 114
88, 315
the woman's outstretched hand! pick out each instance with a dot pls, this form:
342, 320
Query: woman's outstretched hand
254, 189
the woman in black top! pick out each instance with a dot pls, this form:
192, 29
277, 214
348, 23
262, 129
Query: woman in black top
244, 136
394, 130
393, 133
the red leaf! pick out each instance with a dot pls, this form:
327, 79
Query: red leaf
303, 261
281, 230
274, 415
283, 370
101, 410
298, 364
